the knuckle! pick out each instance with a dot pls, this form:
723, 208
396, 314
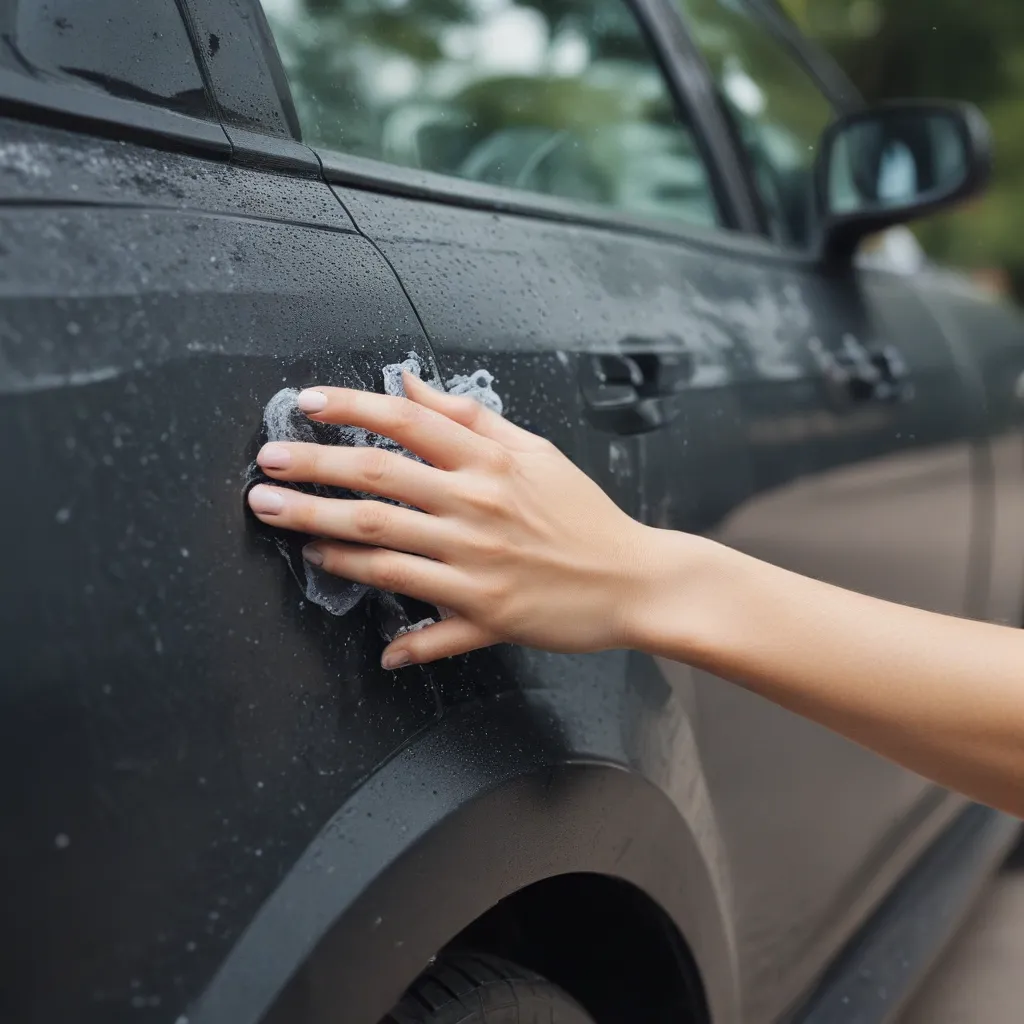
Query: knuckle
500, 461
486, 497
371, 520
375, 465
388, 574
494, 596
407, 413
487, 547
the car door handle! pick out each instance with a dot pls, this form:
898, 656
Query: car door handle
634, 392
895, 384
855, 374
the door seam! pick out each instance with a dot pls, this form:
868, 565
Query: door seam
380, 252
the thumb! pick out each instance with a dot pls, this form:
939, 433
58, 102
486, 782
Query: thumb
445, 639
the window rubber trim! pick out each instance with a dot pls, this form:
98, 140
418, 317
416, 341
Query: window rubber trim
693, 85
100, 114
688, 92
369, 175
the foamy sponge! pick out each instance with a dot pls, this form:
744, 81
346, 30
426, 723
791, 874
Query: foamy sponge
284, 421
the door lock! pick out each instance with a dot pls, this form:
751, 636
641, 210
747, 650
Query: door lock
856, 374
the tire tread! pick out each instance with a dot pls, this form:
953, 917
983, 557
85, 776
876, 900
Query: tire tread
467, 988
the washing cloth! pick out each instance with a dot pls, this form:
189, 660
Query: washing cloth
284, 421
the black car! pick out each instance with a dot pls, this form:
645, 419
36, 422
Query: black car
644, 221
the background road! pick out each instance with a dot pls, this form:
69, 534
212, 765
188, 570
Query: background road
980, 980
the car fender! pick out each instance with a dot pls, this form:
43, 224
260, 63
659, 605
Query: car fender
474, 809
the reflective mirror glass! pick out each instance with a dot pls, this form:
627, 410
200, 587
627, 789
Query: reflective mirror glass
895, 159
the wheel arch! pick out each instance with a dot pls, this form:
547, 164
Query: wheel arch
602, 940
468, 818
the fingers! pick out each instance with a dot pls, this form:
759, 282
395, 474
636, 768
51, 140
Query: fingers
444, 640
359, 521
396, 572
372, 470
470, 413
430, 434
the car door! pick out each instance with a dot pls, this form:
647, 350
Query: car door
177, 719
860, 433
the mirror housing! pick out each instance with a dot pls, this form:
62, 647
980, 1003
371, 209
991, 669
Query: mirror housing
894, 163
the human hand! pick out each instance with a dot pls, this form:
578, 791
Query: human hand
502, 529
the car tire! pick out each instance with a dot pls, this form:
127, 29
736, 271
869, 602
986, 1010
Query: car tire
471, 988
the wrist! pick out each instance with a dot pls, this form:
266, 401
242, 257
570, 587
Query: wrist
677, 583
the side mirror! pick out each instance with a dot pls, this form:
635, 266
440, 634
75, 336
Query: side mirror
894, 163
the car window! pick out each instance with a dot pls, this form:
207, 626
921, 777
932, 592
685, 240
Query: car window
561, 97
127, 48
779, 110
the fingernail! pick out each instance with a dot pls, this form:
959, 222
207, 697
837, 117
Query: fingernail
313, 555
265, 500
395, 659
311, 401
274, 456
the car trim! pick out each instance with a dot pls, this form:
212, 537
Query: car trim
272, 153
392, 179
67, 106
240, 65
689, 70
693, 91
369, 175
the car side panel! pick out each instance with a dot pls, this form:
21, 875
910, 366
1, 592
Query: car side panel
988, 335
176, 721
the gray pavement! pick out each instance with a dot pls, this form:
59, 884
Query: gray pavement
980, 979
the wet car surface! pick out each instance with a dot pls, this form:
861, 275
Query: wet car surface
219, 808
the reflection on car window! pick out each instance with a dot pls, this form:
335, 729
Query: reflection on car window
137, 51
779, 110
561, 97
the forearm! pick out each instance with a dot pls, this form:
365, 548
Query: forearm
941, 696
472, 528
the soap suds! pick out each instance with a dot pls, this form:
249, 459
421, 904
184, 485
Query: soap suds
284, 421
414, 627
477, 385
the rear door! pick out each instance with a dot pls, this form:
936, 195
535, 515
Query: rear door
177, 720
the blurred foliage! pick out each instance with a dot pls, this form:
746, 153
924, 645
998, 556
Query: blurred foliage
560, 97
955, 49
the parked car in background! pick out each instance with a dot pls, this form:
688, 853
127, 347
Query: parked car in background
642, 218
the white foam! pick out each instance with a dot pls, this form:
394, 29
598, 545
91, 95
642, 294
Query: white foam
477, 385
415, 627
